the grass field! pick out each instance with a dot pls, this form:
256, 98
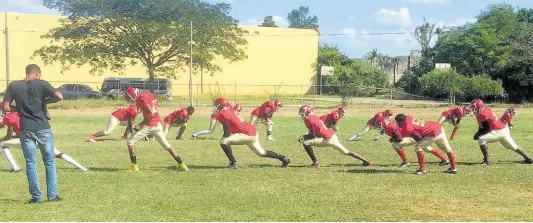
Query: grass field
342, 190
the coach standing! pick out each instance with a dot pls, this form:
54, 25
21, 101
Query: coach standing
31, 96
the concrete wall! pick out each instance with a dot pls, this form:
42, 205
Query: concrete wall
396, 69
276, 56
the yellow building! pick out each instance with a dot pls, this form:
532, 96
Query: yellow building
276, 56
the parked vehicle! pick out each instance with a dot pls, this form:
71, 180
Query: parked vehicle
78, 91
114, 87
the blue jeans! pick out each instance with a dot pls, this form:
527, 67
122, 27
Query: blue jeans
29, 141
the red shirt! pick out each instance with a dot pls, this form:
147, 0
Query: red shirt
487, 114
148, 104
318, 128
214, 116
457, 112
331, 118
236, 125
266, 108
372, 121
424, 128
122, 114
12, 119
392, 129
506, 118
180, 115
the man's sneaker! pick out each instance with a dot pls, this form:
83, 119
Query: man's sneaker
367, 163
183, 167
486, 162
444, 163
527, 161
270, 138
286, 161
133, 168
34, 201
233, 166
403, 165
421, 172
451, 171
315, 165
91, 138
194, 136
55, 199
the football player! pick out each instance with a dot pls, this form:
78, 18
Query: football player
331, 119
426, 133
214, 122
491, 130
321, 136
508, 115
399, 142
264, 115
370, 124
454, 116
122, 116
178, 118
11, 140
239, 132
151, 125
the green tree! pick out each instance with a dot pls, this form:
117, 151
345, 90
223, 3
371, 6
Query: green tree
425, 34
525, 15
441, 83
109, 35
269, 22
300, 18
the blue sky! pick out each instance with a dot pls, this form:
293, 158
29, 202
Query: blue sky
354, 20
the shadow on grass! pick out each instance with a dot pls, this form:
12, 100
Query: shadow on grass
373, 171
102, 169
9, 201
193, 167
104, 140
10, 171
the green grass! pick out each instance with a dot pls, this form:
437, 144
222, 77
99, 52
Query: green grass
341, 190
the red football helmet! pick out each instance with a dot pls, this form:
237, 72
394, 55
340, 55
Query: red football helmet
131, 94
342, 111
512, 110
221, 104
237, 108
278, 104
305, 111
477, 105
388, 113
467, 109
381, 123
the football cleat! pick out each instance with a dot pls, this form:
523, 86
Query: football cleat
233, 166
55, 199
444, 163
487, 162
16, 170
403, 165
421, 172
270, 138
286, 161
451, 171
133, 168
315, 165
34, 201
368, 163
91, 138
527, 161
194, 136
183, 167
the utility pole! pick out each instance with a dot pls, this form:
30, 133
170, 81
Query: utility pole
6, 33
190, 72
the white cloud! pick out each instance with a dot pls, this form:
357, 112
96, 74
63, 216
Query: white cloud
26, 6
355, 37
456, 22
394, 19
428, 2
251, 22
280, 21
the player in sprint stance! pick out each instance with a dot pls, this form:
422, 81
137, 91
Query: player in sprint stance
178, 118
150, 126
239, 132
11, 140
214, 122
331, 119
122, 116
370, 124
399, 142
507, 117
493, 130
426, 133
264, 115
321, 136
454, 116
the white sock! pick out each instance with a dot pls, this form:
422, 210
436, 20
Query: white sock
203, 132
73, 162
10, 159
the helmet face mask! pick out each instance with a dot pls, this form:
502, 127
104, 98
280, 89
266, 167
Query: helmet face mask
131, 94
342, 111
221, 104
477, 105
305, 111
278, 104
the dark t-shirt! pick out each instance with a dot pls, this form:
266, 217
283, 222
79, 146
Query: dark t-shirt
30, 98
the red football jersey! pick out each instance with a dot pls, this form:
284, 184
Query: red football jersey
13, 120
122, 114
487, 114
260, 111
316, 126
214, 116
148, 104
236, 124
182, 115
424, 128
506, 118
330, 118
373, 120
392, 129
457, 112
